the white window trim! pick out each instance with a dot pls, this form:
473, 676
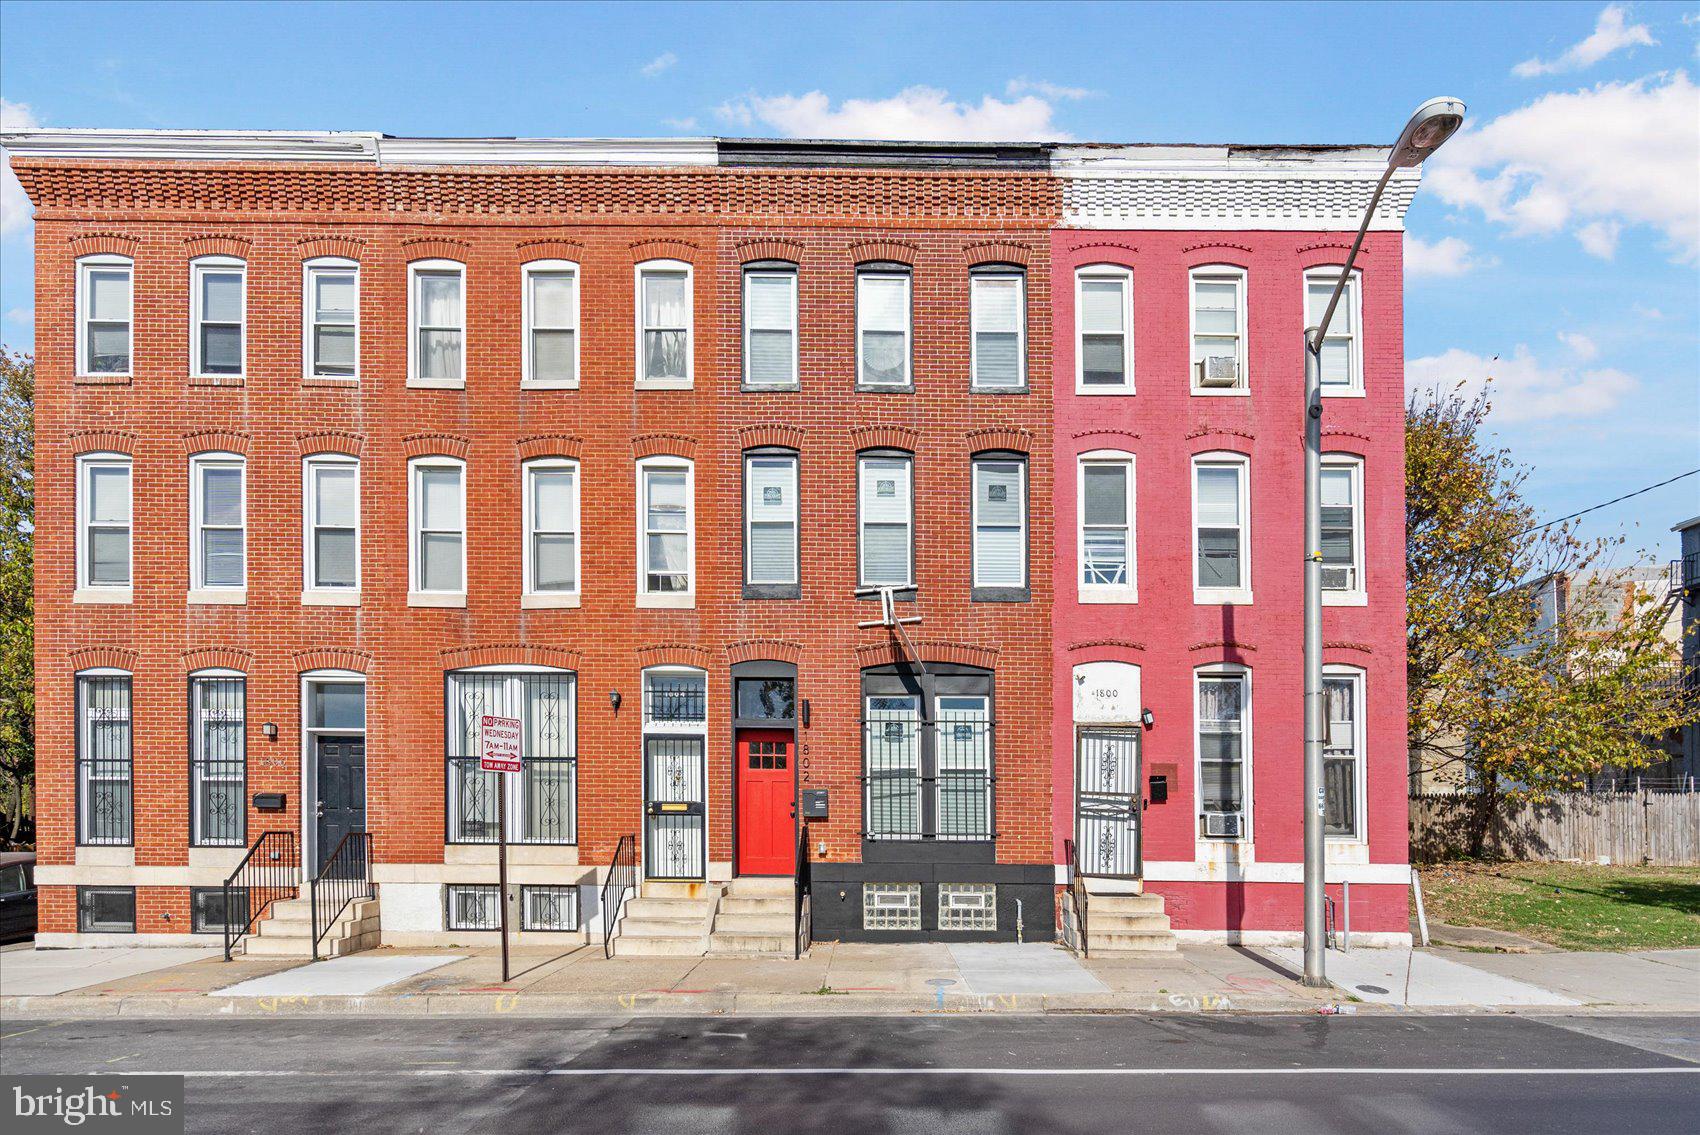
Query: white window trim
974, 520
309, 269
530, 597
1216, 596
796, 518
197, 267
527, 270
1106, 593
686, 728
413, 377
974, 280
1360, 780
658, 266
199, 590
790, 274
1247, 799
312, 596
85, 265
87, 592
1219, 272
309, 733
908, 278
1103, 272
862, 524
687, 597
417, 596
1353, 296
1358, 596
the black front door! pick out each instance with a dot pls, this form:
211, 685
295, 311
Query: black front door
342, 791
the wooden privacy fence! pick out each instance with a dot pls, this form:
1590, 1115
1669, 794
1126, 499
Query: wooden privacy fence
1657, 828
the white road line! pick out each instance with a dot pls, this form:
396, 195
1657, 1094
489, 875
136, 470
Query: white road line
274, 1073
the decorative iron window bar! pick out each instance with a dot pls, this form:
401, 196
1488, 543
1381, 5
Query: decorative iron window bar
677, 698
947, 798
218, 765
547, 789
104, 762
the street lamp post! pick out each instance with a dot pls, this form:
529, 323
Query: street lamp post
1433, 123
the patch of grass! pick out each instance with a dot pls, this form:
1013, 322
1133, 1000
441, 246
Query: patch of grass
1569, 905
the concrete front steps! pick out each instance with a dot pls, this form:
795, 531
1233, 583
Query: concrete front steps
757, 916
1126, 924
668, 920
287, 931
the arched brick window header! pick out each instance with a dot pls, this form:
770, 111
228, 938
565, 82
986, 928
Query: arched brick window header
216, 441
1106, 439
1331, 647
218, 658
103, 441
104, 244
764, 650
434, 248
1222, 650
552, 248
333, 658
885, 437
550, 445
891, 653
1104, 644
346, 247
890, 251
664, 445
676, 654
436, 445
330, 441
218, 244
1206, 439
103, 657
510, 654
769, 248
665, 249
772, 434
997, 252
1103, 252
1012, 439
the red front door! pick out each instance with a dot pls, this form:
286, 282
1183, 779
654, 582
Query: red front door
767, 828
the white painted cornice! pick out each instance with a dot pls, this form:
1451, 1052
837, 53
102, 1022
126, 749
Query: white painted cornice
548, 151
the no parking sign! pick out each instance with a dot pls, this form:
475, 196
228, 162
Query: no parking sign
499, 748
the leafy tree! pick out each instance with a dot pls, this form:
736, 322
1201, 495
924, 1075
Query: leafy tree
17, 607
1502, 702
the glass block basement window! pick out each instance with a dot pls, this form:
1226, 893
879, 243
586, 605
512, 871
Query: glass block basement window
472, 906
549, 908
968, 906
891, 906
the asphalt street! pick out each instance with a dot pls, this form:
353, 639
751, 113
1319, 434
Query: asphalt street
946, 1075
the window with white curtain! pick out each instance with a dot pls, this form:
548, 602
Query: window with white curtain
1342, 349
770, 525
218, 313
551, 526
103, 522
664, 323
436, 304
550, 353
1000, 524
1342, 752
1342, 527
331, 486
218, 759
1106, 488
1218, 330
882, 327
770, 326
668, 533
437, 531
1221, 552
886, 531
1103, 316
998, 313
1224, 749
218, 511
332, 343
105, 290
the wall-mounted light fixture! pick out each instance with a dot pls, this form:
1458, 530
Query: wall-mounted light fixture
270, 730
805, 713
1147, 718
614, 700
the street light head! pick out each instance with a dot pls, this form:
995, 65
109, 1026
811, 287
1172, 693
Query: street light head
1434, 122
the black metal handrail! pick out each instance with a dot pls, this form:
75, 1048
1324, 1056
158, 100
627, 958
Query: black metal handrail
1077, 887
345, 877
801, 934
270, 872
622, 877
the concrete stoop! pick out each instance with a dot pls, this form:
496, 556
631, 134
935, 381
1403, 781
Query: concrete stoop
757, 916
287, 931
668, 920
1127, 924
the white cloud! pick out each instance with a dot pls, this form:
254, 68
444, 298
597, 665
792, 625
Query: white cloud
913, 114
1580, 345
1448, 256
1599, 238
679, 123
1617, 154
1026, 86
22, 316
1523, 389
1612, 33
659, 64
14, 203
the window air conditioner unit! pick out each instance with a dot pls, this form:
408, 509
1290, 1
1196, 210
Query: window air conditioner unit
1218, 371
1336, 578
1224, 824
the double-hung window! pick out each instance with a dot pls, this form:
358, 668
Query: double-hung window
331, 337
103, 526
551, 532
1221, 551
1000, 526
218, 303
541, 801
998, 315
218, 518
1342, 530
436, 323
437, 532
885, 521
1342, 752
105, 286
1224, 747
1342, 348
1107, 564
218, 759
667, 536
770, 525
664, 346
882, 326
1219, 330
103, 757
551, 349
770, 325
331, 544
1103, 316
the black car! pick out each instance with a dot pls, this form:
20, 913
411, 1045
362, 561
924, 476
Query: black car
17, 895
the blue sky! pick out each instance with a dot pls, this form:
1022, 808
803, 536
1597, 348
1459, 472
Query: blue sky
1560, 234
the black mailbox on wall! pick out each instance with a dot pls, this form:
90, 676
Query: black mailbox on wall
814, 804
268, 801
1159, 790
